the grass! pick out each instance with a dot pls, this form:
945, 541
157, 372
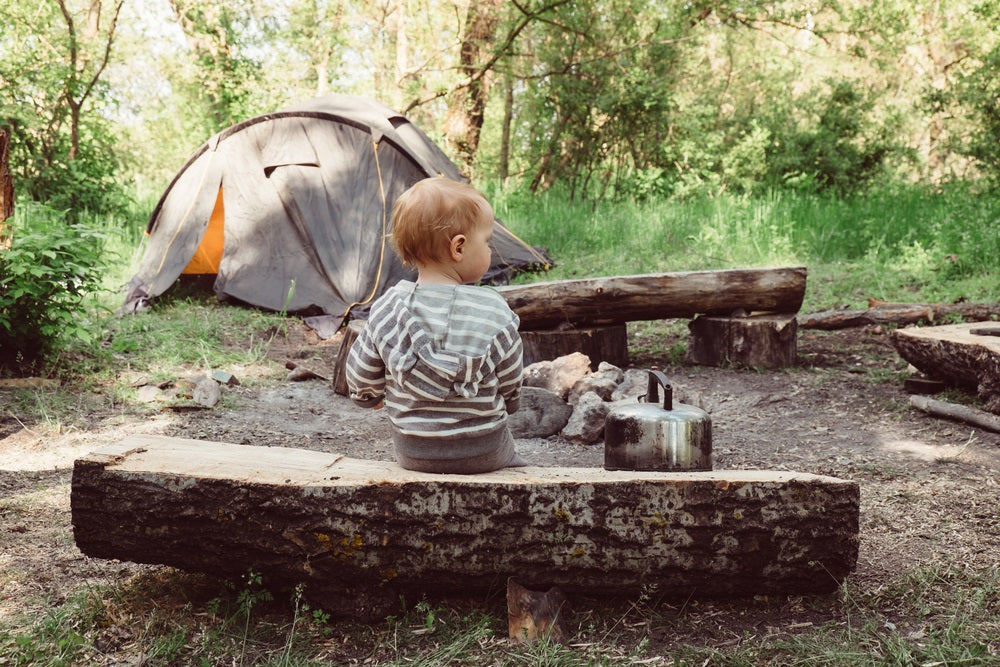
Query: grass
905, 244
927, 616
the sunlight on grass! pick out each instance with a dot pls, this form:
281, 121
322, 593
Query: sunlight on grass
906, 245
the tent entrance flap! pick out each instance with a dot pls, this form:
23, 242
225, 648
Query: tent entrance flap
207, 257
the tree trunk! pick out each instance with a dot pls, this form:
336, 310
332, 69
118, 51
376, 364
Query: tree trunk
503, 169
618, 299
6, 183
468, 104
957, 354
348, 527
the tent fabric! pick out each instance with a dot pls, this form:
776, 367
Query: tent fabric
304, 197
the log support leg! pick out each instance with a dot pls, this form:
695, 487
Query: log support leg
601, 343
759, 341
351, 332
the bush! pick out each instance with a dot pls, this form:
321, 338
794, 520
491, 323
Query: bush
45, 276
978, 92
837, 149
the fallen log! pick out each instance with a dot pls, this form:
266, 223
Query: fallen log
955, 354
357, 531
901, 314
956, 412
620, 299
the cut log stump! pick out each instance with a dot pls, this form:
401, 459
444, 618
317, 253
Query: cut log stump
757, 341
351, 333
353, 529
957, 354
607, 343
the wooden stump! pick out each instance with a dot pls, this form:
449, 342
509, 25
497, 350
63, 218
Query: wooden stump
956, 354
607, 343
351, 333
759, 341
352, 529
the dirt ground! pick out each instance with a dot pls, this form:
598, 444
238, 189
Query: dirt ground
930, 488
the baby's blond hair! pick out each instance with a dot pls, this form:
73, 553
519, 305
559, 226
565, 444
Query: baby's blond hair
430, 213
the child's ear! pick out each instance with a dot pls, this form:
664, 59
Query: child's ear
457, 247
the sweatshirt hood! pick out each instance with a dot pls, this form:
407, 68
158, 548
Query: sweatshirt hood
424, 365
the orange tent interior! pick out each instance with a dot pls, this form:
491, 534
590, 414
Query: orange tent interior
207, 257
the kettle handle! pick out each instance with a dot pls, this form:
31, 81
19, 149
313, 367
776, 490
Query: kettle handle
652, 395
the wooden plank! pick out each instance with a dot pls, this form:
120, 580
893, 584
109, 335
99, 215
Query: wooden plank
358, 531
620, 299
954, 354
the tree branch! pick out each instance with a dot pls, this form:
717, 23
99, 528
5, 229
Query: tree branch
488, 65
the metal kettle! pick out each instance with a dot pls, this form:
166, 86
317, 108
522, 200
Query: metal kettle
650, 436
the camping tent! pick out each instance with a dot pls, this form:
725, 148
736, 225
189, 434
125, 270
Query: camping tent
291, 210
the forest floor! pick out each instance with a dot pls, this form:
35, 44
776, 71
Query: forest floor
930, 488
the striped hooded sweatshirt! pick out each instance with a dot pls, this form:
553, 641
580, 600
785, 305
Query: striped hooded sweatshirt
448, 361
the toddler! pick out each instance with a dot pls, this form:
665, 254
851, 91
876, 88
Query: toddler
443, 354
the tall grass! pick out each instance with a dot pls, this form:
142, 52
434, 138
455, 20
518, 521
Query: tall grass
899, 244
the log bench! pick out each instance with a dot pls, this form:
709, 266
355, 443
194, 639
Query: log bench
744, 317
589, 315
966, 355
357, 532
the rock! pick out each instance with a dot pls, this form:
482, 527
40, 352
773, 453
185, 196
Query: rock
206, 392
542, 413
633, 384
149, 394
602, 382
537, 374
226, 378
558, 375
586, 424
301, 373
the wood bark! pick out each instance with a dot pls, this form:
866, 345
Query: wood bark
351, 333
954, 354
467, 108
357, 531
619, 299
898, 313
607, 343
764, 341
6, 183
